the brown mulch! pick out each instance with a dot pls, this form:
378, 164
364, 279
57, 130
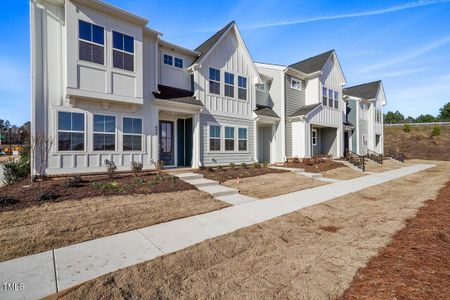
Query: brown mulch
233, 173
317, 167
416, 265
26, 195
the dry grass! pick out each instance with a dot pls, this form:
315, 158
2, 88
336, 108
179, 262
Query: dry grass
5, 158
388, 165
271, 185
53, 225
343, 173
287, 257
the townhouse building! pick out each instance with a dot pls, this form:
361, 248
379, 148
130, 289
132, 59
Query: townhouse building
105, 86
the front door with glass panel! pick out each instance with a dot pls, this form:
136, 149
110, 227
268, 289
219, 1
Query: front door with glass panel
166, 142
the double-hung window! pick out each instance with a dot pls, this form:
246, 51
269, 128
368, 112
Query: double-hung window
178, 63
168, 59
70, 131
229, 85
296, 84
242, 139
330, 98
242, 88
229, 138
324, 96
123, 51
314, 137
214, 138
104, 133
91, 45
336, 100
214, 81
132, 134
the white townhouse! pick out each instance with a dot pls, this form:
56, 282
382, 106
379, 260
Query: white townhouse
105, 86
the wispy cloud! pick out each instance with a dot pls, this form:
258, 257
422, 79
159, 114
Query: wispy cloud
408, 56
391, 9
402, 72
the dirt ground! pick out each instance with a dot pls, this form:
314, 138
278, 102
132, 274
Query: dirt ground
271, 185
227, 173
53, 225
388, 164
343, 173
321, 166
416, 265
418, 143
313, 253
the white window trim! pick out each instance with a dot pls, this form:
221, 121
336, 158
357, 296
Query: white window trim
182, 62
227, 84
233, 138
241, 88
90, 42
314, 137
239, 139
219, 138
135, 134
58, 131
164, 63
292, 86
364, 139
123, 51
222, 138
259, 85
209, 79
100, 132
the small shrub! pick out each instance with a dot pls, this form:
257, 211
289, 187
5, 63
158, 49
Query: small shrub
7, 201
110, 168
296, 160
159, 166
256, 165
407, 128
47, 195
173, 180
136, 167
436, 131
105, 185
265, 163
74, 182
15, 170
139, 180
232, 165
210, 169
220, 168
244, 166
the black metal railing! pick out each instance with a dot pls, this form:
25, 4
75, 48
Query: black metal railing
376, 157
355, 159
396, 155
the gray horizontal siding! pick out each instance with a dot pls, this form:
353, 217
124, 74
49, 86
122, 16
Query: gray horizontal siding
289, 139
263, 98
295, 99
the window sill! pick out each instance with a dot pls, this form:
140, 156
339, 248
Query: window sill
123, 72
90, 64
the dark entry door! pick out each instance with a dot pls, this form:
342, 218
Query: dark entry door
184, 142
166, 142
346, 144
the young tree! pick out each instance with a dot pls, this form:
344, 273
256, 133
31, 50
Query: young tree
444, 112
394, 118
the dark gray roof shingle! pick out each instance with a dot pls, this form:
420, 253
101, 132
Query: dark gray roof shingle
266, 112
312, 64
207, 45
365, 91
305, 110
185, 100
174, 94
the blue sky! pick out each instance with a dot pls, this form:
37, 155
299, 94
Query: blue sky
404, 43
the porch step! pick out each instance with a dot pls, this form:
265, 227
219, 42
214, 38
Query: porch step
200, 182
189, 176
312, 175
218, 190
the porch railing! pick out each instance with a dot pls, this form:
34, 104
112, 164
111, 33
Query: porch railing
355, 159
376, 157
396, 155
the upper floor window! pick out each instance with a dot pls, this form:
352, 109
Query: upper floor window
214, 81
91, 42
296, 84
261, 86
132, 134
242, 88
229, 84
70, 131
364, 106
243, 139
123, 51
168, 59
178, 62
214, 138
330, 98
104, 133
324, 96
336, 100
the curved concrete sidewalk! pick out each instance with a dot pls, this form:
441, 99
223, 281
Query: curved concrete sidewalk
48, 272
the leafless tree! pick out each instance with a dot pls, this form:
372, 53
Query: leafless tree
41, 146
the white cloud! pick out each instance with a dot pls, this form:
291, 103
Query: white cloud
402, 72
382, 11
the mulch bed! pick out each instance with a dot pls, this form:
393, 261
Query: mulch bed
326, 165
93, 186
416, 265
233, 173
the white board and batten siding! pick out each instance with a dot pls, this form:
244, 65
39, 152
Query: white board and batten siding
170, 75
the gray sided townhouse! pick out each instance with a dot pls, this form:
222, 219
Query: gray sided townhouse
107, 87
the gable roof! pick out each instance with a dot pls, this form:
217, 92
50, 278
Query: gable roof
312, 64
174, 94
266, 112
305, 110
365, 91
209, 43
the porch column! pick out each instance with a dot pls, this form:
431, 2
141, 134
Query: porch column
196, 141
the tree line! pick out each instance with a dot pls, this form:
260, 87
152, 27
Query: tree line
13, 134
398, 118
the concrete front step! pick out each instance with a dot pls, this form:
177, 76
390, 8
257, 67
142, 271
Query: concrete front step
236, 199
312, 175
218, 190
189, 176
200, 182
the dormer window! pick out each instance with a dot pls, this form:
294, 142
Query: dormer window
296, 84
123, 51
91, 42
261, 86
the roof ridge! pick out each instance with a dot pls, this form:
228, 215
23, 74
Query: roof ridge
375, 81
219, 32
329, 51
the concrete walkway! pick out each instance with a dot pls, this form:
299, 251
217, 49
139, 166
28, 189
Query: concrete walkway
48, 272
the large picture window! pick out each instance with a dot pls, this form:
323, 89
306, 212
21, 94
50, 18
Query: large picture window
242, 88
229, 85
243, 139
229, 138
104, 133
91, 42
214, 138
214, 81
123, 51
132, 134
70, 131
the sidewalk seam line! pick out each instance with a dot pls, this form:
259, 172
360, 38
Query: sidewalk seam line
54, 270
138, 230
